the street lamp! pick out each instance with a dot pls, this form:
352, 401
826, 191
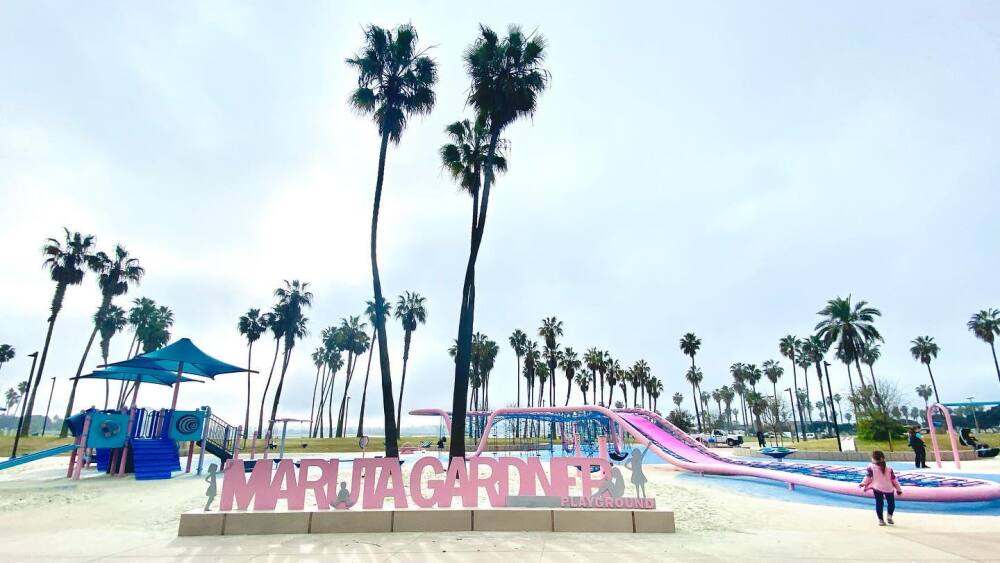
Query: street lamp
20, 422
833, 411
973, 408
795, 424
48, 406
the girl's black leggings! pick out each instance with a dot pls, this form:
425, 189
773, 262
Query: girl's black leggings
920, 457
882, 498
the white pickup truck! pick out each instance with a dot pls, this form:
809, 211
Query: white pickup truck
719, 437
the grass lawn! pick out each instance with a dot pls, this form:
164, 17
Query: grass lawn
830, 444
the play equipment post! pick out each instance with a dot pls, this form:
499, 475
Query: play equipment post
123, 459
204, 436
951, 433
81, 450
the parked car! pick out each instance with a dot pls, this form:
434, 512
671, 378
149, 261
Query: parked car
810, 435
718, 437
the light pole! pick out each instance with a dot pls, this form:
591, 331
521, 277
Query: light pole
46, 422
833, 411
973, 408
795, 424
20, 422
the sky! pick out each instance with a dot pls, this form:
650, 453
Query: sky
720, 168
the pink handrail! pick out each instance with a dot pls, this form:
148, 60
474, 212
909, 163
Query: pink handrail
951, 433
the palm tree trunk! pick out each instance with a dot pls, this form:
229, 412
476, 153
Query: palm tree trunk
569, 389
795, 393
822, 396
402, 379
849, 380
246, 416
57, 301
611, 394
364, 392
341, 422
809, 413
312, 404
72, 391
281, 384
391, 434
933, 384
517, 376
263, 396
602, 388
995, 364
697, 415
317, 425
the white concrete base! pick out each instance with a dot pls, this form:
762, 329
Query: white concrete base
199, 523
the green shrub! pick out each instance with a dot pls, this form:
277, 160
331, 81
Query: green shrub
878, 426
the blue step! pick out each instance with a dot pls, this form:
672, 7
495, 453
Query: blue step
103, 458
154, 458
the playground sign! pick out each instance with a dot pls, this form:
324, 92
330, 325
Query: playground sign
375, 480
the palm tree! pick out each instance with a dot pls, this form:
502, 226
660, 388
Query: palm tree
773, 371
677, 399
655, 387
371, 311
582, 380
276, 325
923, 350
986, 326
139, 315
851, 329
319, 357
805, 363
7, 353
737, 370
507, 78
532, 357
690, 344
518, 342
395, 81
694, 377
758, 405
109, 325
351, 337
924, 392
752, 374
570, 363
594, 360
411, 311
465, 158
789, 346
550, 331
293, 298
727, 394
641, 372
610, 371
65, 262
251, 326
542, 374
115, 273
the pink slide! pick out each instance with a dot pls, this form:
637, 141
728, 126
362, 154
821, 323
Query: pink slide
681, 450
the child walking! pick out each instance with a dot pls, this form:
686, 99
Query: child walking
881, 479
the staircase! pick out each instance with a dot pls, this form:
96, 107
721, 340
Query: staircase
220, 438
154, 458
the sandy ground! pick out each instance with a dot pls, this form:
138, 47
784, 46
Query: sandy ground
43, 516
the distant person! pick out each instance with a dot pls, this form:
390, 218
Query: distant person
441, 442
211, 491
916, 442
881, 479
634, 464
761, 442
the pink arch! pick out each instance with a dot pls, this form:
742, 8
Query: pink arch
951, 433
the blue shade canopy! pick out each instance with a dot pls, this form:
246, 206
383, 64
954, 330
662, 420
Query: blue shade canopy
156, 377
170, 358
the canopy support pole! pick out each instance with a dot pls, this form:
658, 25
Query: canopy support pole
123, 460
177, 385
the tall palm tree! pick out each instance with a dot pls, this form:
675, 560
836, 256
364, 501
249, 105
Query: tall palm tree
65, 262
758, 406
319, 357
550, 331
352, 338
737, 370
395, 81
986, 326
113, 322
624, 377
594, 360
923, 350
518, 343
276, 325
582, 380
370, 313
655, 387
609, 369
411, 310
773, 371
139, 315
727, 394
752, 374
293, 299
851, 328
642, 374
532, 357
924, 391
7, 353
115, 273
507, 78
465, 158
789, 346
690, 344
570, 363
694, 377
251, 326
677, 399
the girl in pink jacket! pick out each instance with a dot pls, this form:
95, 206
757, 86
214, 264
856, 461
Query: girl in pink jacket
881, 479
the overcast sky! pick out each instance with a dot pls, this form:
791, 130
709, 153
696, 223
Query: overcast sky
720, 169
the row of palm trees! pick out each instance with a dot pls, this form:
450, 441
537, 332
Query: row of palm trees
288, 325
68, 261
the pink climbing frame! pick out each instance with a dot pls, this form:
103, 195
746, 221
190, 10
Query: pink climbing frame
952, 435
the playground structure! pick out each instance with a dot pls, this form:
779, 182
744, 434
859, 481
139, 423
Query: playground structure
682, 451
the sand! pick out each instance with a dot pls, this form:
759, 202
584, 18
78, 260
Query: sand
44, 516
